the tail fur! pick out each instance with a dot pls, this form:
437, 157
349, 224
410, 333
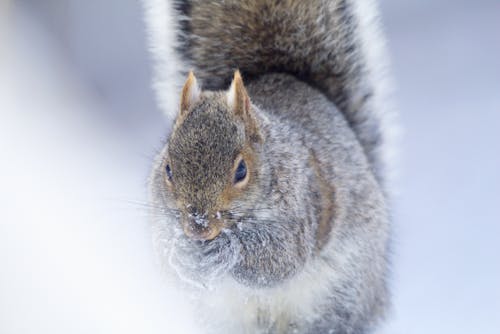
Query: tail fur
333, 45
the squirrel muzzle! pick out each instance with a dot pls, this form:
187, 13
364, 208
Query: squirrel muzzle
202, 228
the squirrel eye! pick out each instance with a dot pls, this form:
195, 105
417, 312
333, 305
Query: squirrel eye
241, 172
169, 172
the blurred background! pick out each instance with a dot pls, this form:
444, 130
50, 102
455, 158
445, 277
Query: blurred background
79, 127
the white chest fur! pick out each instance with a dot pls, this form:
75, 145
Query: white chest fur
229, 307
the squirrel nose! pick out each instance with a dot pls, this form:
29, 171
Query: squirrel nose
200, 228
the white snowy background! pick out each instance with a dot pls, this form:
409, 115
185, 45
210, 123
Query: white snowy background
79, 127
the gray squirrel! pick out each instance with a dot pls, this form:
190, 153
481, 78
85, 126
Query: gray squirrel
270, 198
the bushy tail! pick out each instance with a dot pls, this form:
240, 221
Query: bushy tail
333, 45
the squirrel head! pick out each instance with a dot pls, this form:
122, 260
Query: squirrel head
210, 159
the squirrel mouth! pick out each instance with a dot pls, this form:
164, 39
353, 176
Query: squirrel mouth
202, 229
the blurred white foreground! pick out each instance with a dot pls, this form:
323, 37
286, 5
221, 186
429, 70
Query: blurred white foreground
75, 254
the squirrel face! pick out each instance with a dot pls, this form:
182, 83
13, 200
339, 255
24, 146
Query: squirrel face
210, 159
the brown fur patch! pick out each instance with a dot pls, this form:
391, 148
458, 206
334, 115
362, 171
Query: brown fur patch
327, 195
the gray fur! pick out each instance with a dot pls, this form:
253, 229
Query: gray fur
305, 244
324, 43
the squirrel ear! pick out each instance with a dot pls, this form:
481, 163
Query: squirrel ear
190, 93
239, 103
237, 97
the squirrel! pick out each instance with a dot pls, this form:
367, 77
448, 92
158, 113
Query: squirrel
270, 198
